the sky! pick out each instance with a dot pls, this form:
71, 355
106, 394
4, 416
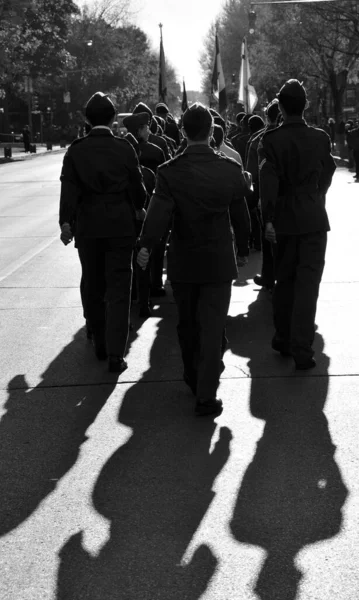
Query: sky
185, 24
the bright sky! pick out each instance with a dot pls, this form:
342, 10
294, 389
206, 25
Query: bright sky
185, 24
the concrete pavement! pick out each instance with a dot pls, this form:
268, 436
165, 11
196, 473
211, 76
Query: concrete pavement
112, 490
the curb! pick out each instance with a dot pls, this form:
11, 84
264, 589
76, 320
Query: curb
30, 156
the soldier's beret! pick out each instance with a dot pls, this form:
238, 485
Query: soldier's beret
141, 107
292, 89
100, 104
162, 108
134, 122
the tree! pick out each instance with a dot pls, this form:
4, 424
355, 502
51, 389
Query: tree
314, 43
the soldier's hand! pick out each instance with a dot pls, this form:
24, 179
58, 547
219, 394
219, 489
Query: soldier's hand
66, 234
270, 234
141, 214
143, 257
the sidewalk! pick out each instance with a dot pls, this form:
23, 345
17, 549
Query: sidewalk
18, 154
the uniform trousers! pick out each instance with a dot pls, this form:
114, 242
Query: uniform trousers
107, 272
202, 312
299, 264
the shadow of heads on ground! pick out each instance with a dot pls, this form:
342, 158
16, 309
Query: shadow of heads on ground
292, 493
43, 428
154, 491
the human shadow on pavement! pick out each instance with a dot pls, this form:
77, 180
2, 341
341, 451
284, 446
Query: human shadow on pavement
44, 427
292, 493
154, 491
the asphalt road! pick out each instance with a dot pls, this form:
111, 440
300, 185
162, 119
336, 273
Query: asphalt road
113, 490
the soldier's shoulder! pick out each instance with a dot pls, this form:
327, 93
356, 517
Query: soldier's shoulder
318, 132
76, 142
173, 162
229, 160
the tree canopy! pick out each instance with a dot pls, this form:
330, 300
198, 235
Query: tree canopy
318, 44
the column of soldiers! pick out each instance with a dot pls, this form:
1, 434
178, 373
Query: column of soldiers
212, 192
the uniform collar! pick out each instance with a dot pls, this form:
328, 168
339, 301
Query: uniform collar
101, 130
200, 149
294, 121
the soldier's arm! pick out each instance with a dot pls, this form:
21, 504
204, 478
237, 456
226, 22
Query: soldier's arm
329, 167
137, 189
70, 192
239, 214
159, 214
268, 179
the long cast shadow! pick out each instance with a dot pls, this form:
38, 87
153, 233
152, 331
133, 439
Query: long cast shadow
155, 491
44, 427
292, 493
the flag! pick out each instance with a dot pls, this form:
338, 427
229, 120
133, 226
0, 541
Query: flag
162, 84
184, 98
218, 82
247, 94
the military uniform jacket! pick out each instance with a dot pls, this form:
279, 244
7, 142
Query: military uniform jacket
159, 141
296, 169
151, 156
202, 193
101, 186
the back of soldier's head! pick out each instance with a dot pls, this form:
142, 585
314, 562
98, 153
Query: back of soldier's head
239, 117
218, 135
197, 122
255, 124
100, 110
293, 97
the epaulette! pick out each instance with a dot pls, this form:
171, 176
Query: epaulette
229, 159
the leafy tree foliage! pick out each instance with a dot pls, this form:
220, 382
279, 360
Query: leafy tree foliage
318, 44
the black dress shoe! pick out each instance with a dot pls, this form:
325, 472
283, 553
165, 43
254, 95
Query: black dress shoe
258, 280
204, 408
305, 365
280, 346
116, 364
158, 292
145, 312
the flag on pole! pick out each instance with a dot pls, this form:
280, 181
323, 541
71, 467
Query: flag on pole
162, 84
184, 98
218, 82
247, 94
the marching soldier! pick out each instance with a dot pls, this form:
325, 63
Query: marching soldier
102, 191
202, 191
296, 170
153, 137
171, 128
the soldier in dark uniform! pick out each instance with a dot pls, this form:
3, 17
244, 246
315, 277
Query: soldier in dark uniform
296, 170
240, 140
151, 156
171, 128
170, 142
203, 192
266, 279
102, 190
153, 138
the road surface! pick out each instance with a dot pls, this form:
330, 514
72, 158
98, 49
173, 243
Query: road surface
113, 490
